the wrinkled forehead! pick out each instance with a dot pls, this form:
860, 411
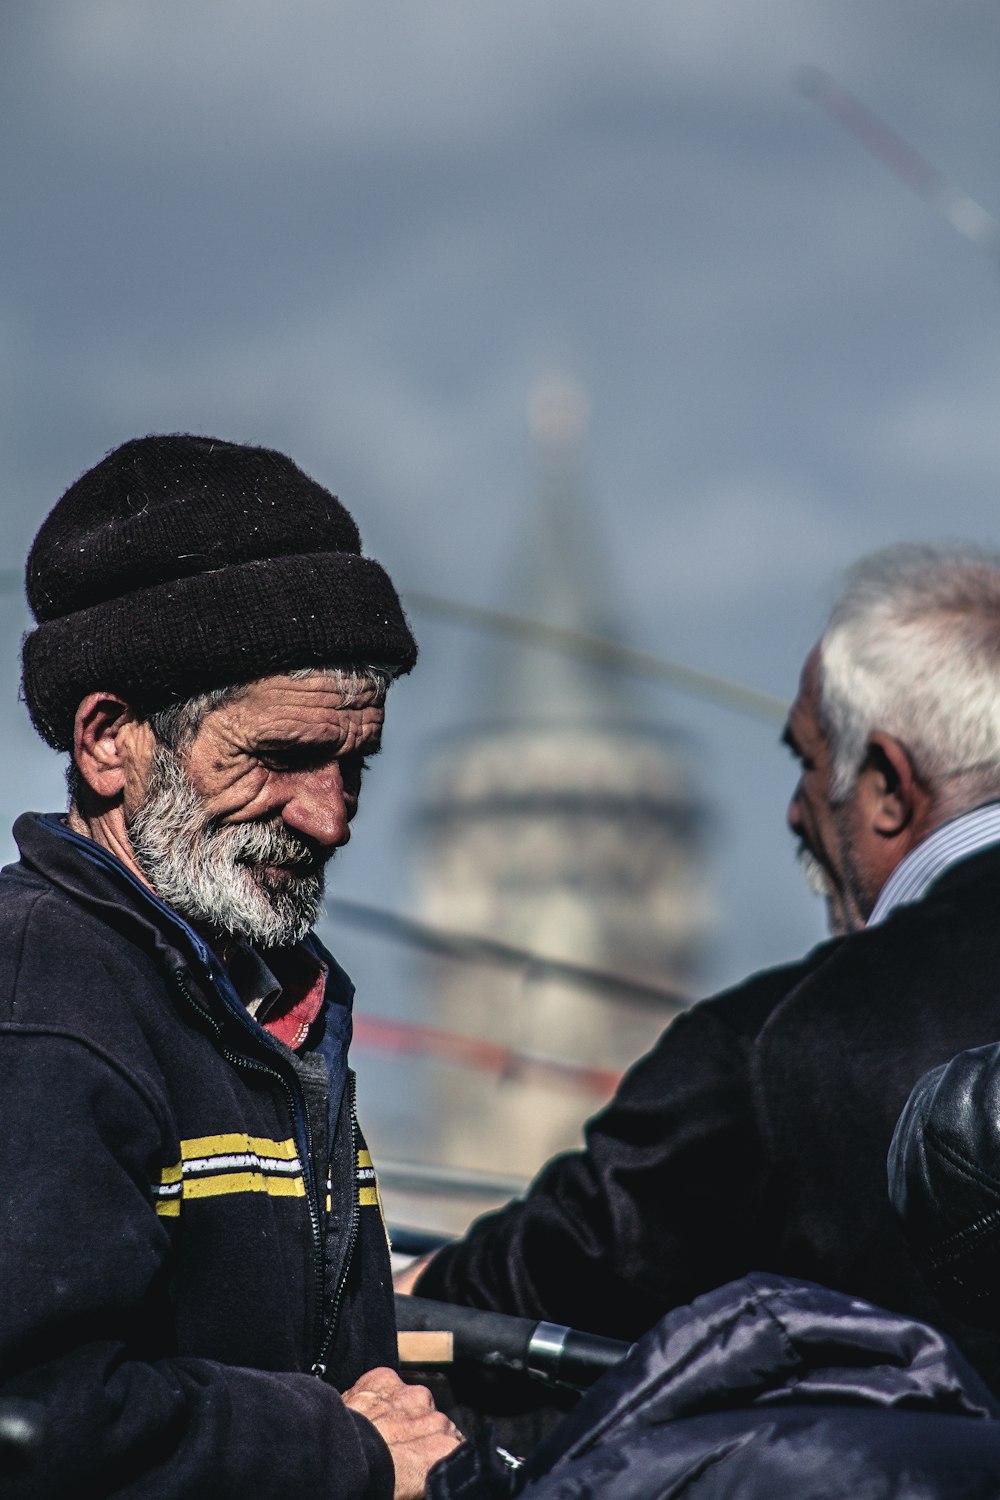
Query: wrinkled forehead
294, 708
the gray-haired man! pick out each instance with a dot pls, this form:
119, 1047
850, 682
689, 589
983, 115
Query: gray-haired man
195, 1270
754, 1135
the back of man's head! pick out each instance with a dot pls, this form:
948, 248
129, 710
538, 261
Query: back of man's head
912, 649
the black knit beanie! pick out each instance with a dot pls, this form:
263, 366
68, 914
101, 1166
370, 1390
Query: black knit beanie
180, 564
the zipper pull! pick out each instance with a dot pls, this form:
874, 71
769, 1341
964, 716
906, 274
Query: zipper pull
318, 1370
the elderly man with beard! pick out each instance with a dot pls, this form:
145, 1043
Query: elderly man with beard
195, 1269
754, 1135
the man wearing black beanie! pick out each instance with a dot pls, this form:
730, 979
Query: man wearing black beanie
195, 1269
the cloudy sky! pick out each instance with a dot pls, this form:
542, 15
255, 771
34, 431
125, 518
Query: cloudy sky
363, 232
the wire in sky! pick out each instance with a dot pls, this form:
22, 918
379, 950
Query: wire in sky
962, 212
447, 942
605, 652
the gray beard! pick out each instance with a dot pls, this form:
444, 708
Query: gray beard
212, 875
846, 911
815, 876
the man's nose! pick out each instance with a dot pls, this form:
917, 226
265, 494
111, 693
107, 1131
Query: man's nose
794, 814
320, 808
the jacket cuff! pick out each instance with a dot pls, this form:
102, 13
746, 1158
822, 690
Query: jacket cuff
381, 1469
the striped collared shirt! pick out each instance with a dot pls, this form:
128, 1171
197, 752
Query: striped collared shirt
946, 846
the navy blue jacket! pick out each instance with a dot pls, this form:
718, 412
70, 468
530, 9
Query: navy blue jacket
174, 1260
765, 1388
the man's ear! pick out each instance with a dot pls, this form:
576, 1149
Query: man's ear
894, 795
102, 736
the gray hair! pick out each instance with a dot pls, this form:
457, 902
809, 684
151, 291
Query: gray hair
912, 648
176, 725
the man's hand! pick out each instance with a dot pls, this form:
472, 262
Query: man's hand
407, 1419
404, 1280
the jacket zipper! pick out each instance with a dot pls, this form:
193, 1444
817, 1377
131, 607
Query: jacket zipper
319, 1367
240, 1061
97, 856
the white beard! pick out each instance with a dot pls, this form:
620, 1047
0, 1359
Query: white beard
212, 875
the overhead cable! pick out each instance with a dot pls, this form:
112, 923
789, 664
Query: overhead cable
448, 942
382, 1034
963, 213
604, 652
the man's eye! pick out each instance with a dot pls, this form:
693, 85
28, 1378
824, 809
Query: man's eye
285, 764
804, 761
292, 760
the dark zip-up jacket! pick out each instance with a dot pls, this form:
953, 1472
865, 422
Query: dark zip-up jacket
177, 1266
754, 1136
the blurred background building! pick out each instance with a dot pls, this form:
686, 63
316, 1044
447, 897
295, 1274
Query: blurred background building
563, 819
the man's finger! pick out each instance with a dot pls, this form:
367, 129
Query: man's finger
380, 1379
395, 1427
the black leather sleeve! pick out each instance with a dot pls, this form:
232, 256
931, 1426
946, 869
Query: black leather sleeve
944, 1181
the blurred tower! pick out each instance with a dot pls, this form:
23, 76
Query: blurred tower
562, 821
